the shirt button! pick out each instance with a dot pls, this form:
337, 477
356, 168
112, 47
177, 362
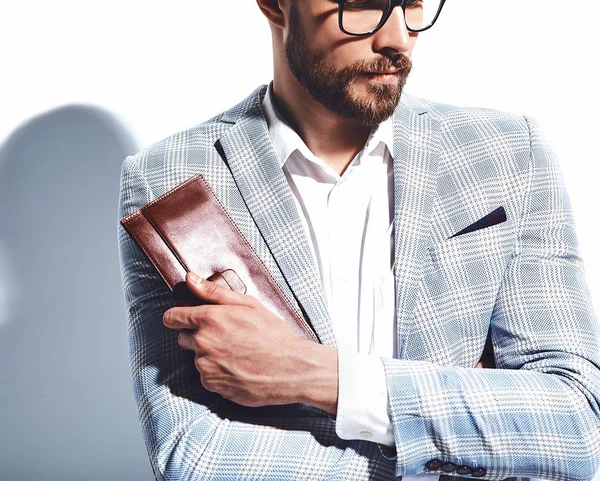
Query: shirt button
448, 467
478, 472
366, 434
346, 276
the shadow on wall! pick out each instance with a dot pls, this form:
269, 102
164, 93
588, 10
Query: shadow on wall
66, 403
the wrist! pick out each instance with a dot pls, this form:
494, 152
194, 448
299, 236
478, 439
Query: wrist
320, 386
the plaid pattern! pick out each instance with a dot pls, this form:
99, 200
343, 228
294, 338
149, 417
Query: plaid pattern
535, 416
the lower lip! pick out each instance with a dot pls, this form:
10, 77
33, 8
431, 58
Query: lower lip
387, 78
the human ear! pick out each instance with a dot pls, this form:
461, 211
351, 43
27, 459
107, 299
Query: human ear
274, 11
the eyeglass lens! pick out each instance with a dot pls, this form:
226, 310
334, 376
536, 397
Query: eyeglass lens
362, 16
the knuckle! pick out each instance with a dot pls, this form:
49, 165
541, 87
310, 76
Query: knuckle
206, 382
210, 313
201, 364
197, 341
203, 381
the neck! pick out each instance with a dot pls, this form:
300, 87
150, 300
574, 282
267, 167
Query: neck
328, 136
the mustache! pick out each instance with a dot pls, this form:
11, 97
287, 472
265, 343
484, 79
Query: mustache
401, 62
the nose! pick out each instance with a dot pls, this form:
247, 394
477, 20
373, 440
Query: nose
393, 35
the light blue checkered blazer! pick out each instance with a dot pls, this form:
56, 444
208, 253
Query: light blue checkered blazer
536, 415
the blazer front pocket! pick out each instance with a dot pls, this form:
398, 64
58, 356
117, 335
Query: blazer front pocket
469, 263
457, 293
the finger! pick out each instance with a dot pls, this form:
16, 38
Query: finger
188, 340
184, 317
216, 294
479, 364
192, 317
185, 341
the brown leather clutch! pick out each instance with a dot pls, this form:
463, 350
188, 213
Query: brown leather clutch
186, 229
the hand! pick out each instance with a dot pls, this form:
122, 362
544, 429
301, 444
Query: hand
243, 351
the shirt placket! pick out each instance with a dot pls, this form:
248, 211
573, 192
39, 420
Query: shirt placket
346, 214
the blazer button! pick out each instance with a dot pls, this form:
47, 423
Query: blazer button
448, 467
463, 469
433, 464
478, 472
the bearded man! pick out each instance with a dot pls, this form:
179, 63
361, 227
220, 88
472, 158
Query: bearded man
420, 240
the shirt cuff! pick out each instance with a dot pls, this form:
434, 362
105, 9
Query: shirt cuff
363, 408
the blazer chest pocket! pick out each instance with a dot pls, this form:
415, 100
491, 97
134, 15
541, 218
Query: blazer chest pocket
456, 295
462, 274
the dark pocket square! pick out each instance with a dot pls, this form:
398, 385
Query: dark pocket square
495, 217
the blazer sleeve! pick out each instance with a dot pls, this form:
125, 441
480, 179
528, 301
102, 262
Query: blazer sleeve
186, 433
537, 414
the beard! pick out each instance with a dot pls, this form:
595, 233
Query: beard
336, 89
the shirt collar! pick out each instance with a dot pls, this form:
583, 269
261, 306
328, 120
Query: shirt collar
286, 140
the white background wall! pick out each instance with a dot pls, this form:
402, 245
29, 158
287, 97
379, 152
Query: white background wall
159, 67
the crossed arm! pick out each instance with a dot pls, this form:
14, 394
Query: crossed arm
537, 415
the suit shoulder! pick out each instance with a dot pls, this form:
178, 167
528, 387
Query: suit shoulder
456, 115
200, 137
491, 142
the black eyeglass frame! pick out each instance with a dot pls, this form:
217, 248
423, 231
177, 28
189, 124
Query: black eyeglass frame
392, 4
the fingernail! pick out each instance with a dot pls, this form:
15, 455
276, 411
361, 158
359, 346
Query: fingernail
195, 277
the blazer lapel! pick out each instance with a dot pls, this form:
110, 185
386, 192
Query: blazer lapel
247, 149
416, 156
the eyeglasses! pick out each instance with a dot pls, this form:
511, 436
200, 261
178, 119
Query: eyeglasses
364, 17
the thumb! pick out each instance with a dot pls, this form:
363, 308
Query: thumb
212, 292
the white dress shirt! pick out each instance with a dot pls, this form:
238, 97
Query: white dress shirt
349, 220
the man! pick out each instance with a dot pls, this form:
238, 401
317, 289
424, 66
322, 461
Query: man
407, 231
